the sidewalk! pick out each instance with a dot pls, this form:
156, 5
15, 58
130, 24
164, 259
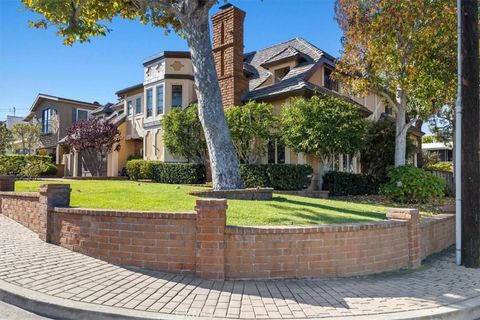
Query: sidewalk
56, 282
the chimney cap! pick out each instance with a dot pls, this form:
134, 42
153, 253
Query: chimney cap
226, 6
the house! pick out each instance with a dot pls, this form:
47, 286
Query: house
55, 115
294, 68
444, 151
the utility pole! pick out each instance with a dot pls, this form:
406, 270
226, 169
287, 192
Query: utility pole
470, 148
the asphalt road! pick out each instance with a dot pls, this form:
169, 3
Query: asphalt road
9, 312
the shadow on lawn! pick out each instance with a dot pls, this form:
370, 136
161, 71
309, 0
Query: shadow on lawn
310, 212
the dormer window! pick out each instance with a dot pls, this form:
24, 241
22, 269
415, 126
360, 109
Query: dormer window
279, 74
328, 82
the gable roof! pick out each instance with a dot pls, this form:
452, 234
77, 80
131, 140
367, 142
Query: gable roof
41, 97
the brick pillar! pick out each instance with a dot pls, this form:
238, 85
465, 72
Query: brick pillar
210, 245
51, 195
412, 216
7, 183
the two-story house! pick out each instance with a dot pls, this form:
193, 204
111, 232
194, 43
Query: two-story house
55, 115
294, 68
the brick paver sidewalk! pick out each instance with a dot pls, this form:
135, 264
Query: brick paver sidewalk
27, 262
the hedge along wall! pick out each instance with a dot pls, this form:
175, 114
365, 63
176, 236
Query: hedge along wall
200, 243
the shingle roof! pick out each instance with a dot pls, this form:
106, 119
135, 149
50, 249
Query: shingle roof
298, 46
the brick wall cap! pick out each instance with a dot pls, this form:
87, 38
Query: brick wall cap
127, 214
7, 177
328, 228
12, 194
403, 214
438, 218
53, 186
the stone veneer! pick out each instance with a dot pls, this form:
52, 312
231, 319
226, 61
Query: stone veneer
240, 194
200, 242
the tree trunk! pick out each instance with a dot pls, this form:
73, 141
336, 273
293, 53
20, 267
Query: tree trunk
401, 129
419, 125
224, 162
470, 135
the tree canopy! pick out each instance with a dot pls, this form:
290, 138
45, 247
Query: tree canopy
6, 138
183, 135
94, 139
79, 20
252, 126
324, 126
28, 135
404, 51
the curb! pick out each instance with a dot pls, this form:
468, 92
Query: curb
60, 308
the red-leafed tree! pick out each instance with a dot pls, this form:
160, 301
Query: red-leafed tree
94, 140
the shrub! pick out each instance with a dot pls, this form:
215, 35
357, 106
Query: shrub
277, 176
16, 163
408, 184
179, 173
350, 184
440, 166
34, 168
50, 171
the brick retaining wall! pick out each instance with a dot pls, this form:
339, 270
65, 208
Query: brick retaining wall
200, 242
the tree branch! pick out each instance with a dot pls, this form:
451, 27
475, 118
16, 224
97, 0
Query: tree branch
388, 98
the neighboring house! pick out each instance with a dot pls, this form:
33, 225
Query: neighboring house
295, 68
55, 115
444, 151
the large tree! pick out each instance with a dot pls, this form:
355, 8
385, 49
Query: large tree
93, 140
404, 52
78, 20
253, 126
323, 126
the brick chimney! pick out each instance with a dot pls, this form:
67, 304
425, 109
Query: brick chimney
228, 53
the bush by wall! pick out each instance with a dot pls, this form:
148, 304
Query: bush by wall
277, 176
408, 184
180, 173
23, 165
350, 184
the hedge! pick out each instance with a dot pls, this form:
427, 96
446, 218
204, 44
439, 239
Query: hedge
15, 163
277, 176
350, 184
176, 173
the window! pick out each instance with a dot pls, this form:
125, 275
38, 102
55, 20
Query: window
138, 105
328, 82
129, 107
47, 115
149, 102
281, 73
177, 96
276, 152
160, 99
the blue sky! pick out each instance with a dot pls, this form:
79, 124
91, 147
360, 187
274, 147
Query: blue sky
34, 61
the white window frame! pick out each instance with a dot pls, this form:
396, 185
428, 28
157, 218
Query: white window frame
89, 112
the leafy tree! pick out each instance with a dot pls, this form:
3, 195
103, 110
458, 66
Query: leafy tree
404, 51
6, 138
428, 139
183, 135
28, 135
378, 150
79, 20
324, 126
252, 126
93, 139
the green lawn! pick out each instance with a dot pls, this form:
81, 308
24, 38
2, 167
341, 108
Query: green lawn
282, 210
